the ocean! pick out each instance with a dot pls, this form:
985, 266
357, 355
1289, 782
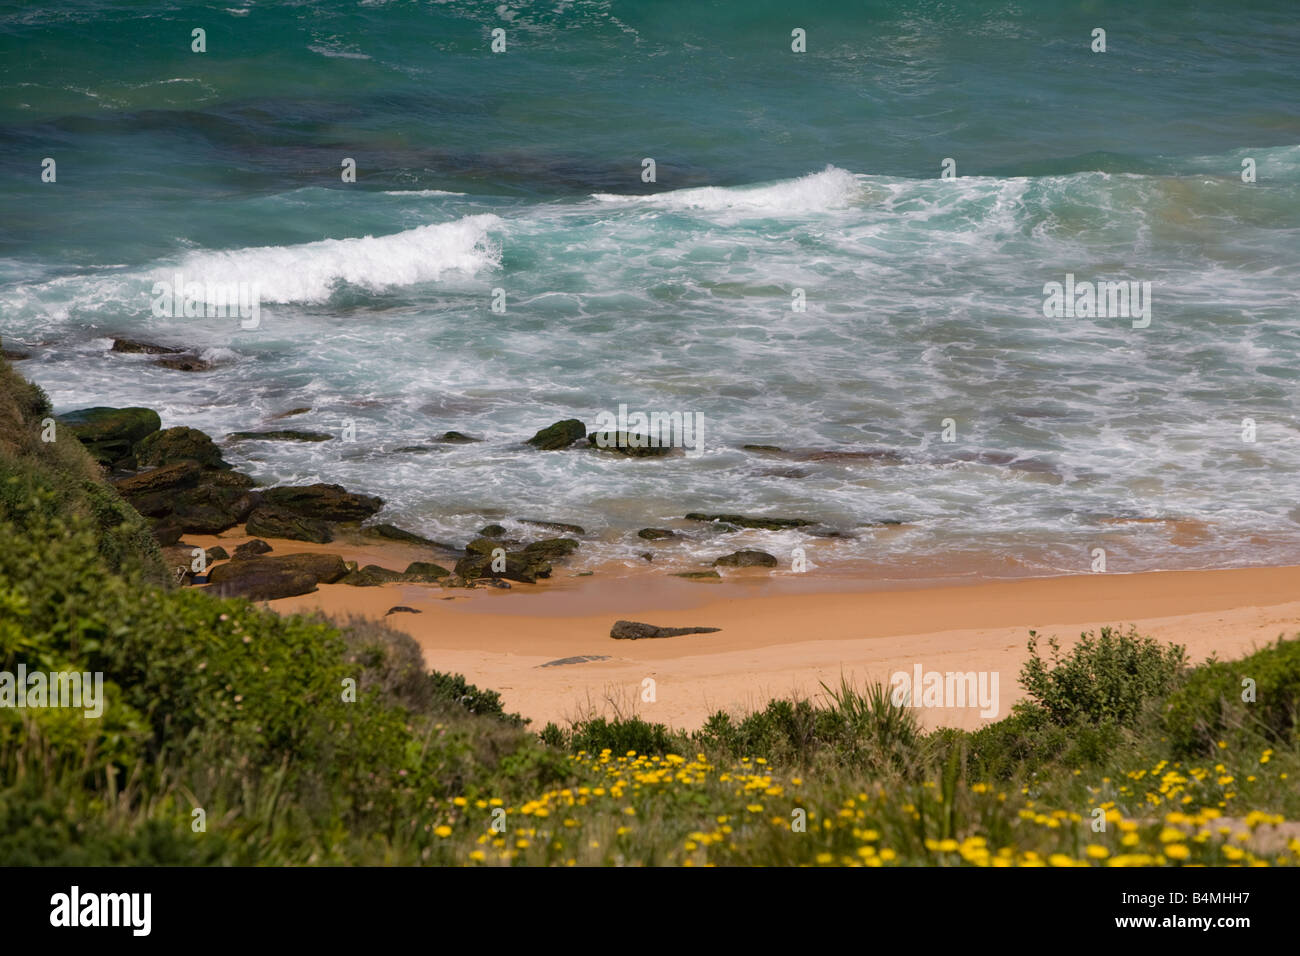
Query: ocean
843, 254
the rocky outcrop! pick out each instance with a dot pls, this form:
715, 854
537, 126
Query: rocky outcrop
560, 435
323, 568
281, 523
655, 534
552, 525
265, 585
634, 631
747, 521
323, 502
746, 559
632, 444
180, 444
110, 434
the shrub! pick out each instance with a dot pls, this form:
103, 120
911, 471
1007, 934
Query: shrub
1105, 678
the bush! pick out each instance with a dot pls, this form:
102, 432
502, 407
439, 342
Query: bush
1106, 678
1210, 706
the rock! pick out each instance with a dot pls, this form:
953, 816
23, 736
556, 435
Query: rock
325, 502
519, 566
211, 509
265, 585
654, 534
560, 435
647, 556
745, 521
278, 523
401, 609
322, 568
250, 548
372, 575
421, 572
185, 363
580, 659
456, 438
109, 434
760, 448
166, 533
183, 474
218, 553
291, 412
280, 435
697, 575
485, 545
552, 549
172, 445
178, 559
228, 479
633, 631
746, 559
143, 348
14, 355
632, 444
390, 532
553, 525
492, 531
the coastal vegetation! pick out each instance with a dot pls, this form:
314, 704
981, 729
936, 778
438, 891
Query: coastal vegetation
235, 735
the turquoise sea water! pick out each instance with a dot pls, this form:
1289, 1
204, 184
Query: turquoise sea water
775, 171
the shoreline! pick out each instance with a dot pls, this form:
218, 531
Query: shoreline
778, 637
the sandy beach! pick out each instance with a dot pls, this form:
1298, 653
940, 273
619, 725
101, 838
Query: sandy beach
780, 635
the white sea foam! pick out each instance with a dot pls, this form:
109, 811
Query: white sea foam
832, 188
310, 272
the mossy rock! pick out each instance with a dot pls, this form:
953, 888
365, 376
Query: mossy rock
179, 444
560, 435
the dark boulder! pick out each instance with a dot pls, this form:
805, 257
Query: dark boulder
218, 553
632, 444
390, 532
634, 631
746, 559
456, 438
654, 534
250, 548
183, 474
280, 523
172, 445
553, 525
109, 434
184, 363
265, 584
560, 435
519, 566
401, 609
747, 521
324, 502
130, 346
420, 572
552, 549
323, 568
698, 575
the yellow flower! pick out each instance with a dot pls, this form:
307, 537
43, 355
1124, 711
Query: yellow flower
1097, 852
1177, 851
443, 831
